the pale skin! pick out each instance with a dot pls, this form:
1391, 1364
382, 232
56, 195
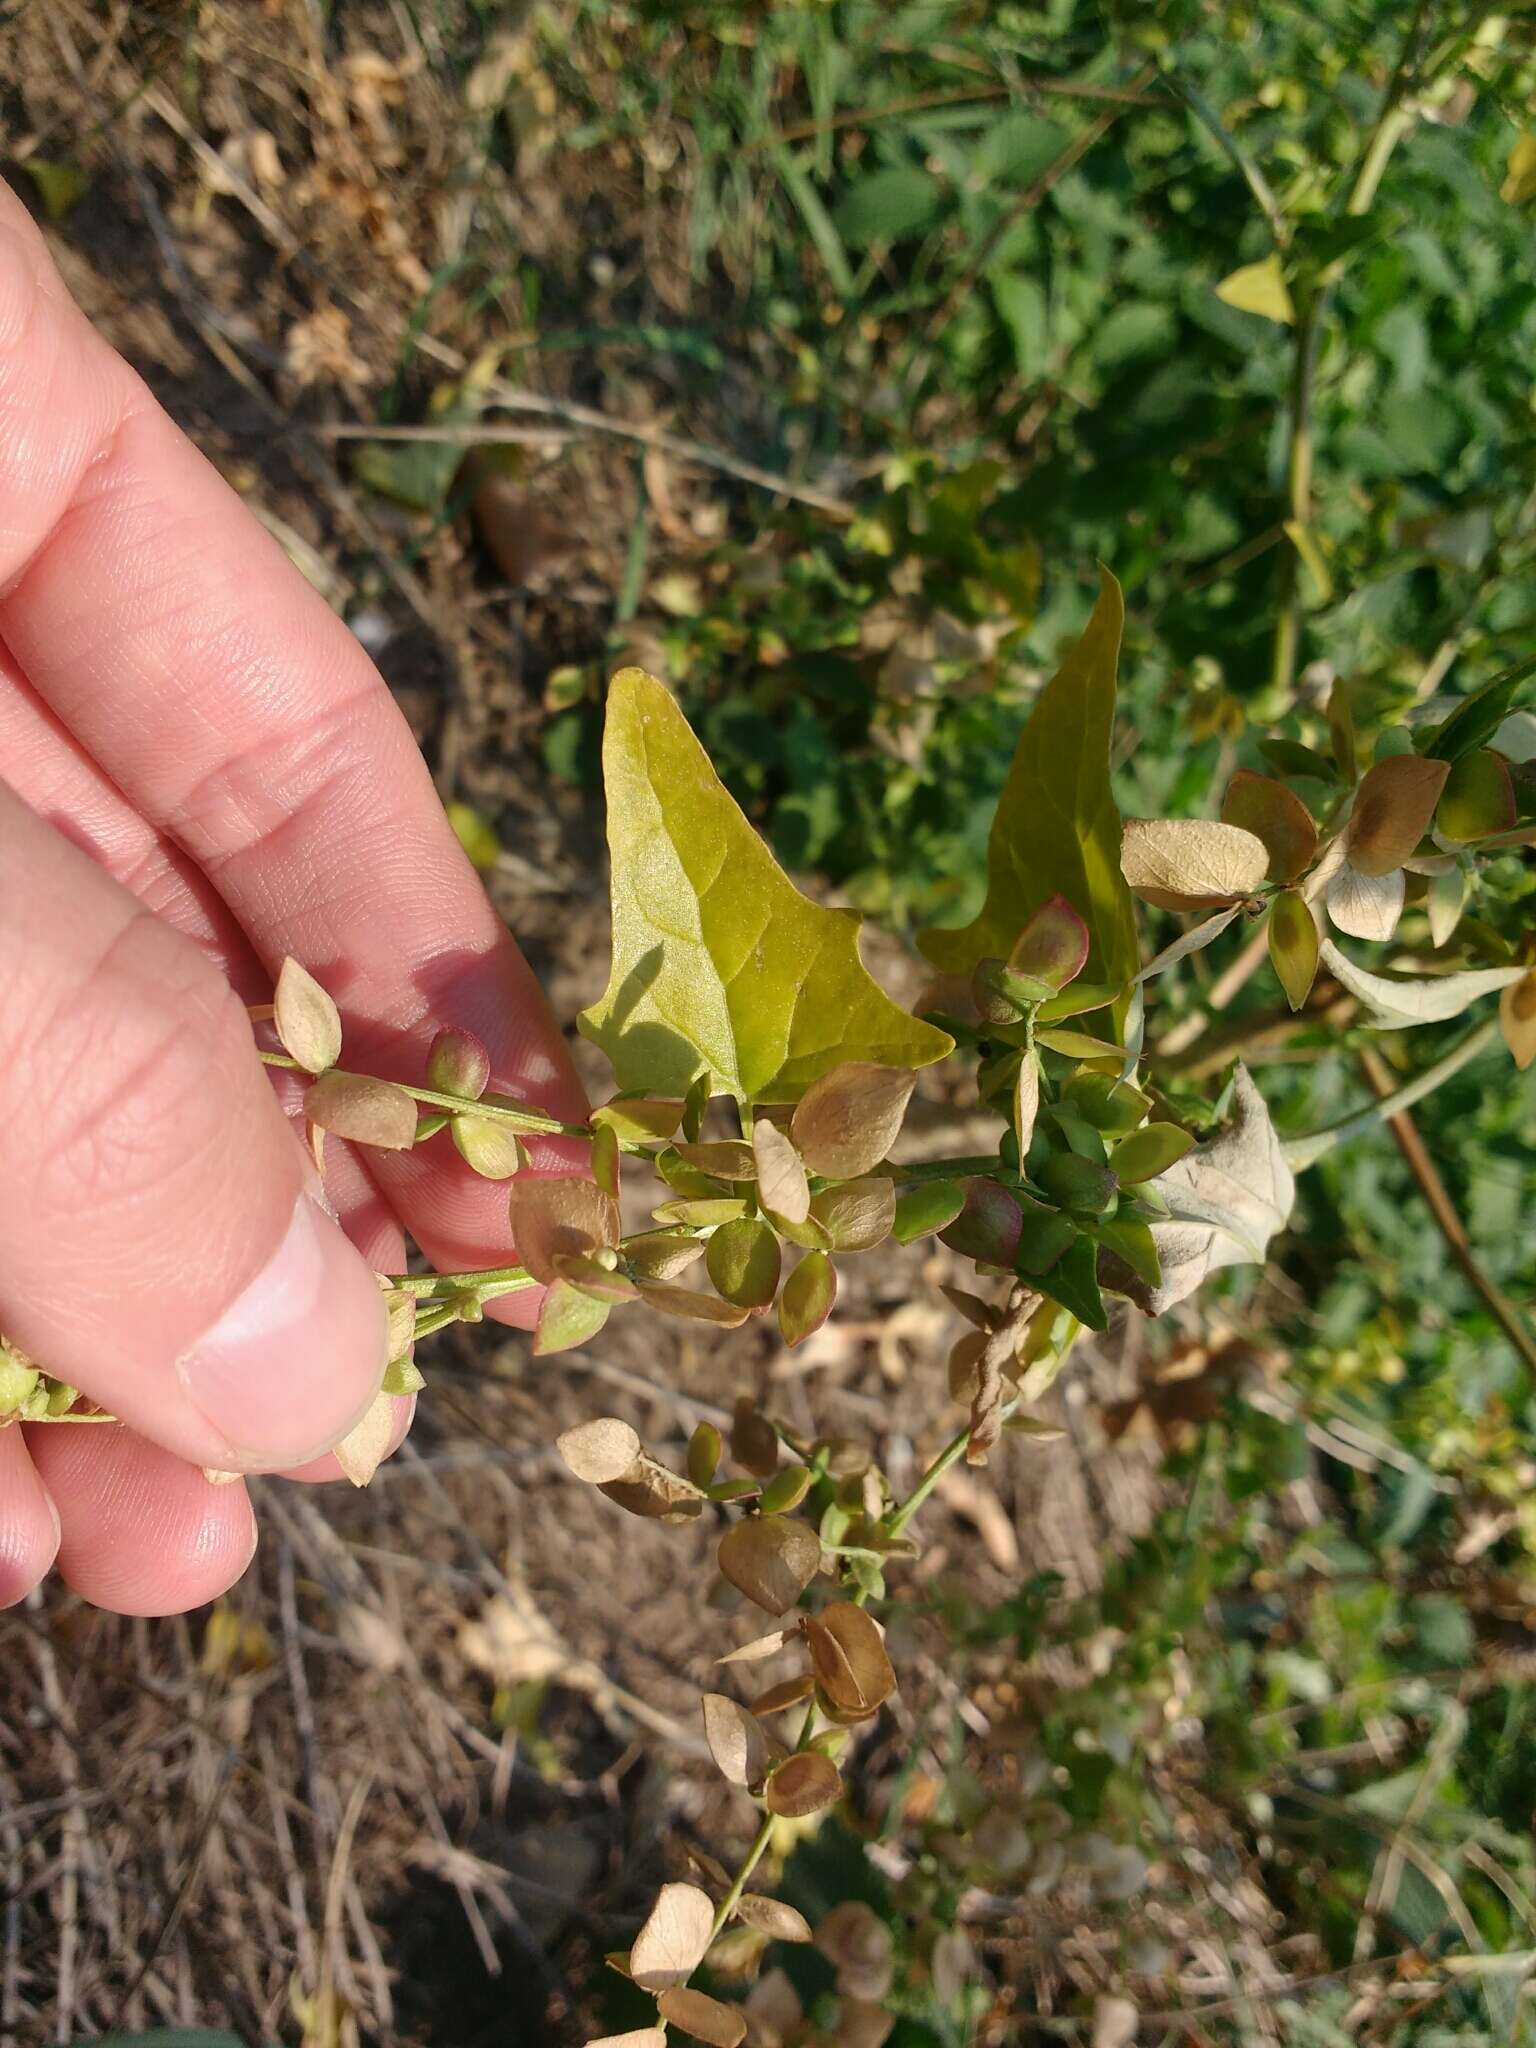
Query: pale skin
200, 773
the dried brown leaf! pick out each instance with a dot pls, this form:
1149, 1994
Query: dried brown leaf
736, 1742
857, 1215
551, 1213
363, 1450
847, 1122
691, 1306
1392, 811
671, 1944
772, 1917
850, 1657
721, 2026
1191, 863
782, 1186
368, 1112
600, 1451
1275, 814
723, 1158
760, 1647
307, 1022
789, 1692
803, 1784
772, 1560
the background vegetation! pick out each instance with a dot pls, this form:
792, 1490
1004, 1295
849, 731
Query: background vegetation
813, 354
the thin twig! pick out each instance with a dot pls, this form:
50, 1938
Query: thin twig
1438, 1201
963, 286
1307, 1150
566, 413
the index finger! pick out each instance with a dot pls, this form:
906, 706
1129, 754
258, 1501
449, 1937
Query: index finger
238, 714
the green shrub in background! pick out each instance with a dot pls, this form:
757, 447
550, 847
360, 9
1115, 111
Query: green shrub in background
997, 268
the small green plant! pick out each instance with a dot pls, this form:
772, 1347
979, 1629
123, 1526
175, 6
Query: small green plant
763, 1079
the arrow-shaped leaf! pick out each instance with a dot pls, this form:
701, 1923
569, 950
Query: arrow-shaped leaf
720, 965
1057, 831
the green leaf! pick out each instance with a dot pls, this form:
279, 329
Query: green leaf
169, 2037
1130, 1239
418, 474
59, 186
1477, 718
1057, 831
1074, 1281
1148, 1152
567, 1317
1293, 945
889, 206
719, 963
933, 1206
475, 834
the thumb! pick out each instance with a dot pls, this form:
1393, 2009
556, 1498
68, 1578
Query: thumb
160, 1246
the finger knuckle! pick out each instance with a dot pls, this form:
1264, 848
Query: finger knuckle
131, 1089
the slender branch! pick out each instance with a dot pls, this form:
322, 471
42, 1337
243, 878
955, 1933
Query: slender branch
750, 1861
569, 416
1307, 1150
1443, 1209
1392, 123
533, 1121
1305, 345
504, 1279
940, 1169
1228, 143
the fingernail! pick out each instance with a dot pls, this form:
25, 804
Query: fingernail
295, 1362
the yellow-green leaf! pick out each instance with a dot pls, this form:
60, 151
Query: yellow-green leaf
475, 834
1259, 288
720, 965
1293, 945
1057, 831
1520, 177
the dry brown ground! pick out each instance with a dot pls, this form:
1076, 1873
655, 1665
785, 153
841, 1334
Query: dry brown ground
312, 1801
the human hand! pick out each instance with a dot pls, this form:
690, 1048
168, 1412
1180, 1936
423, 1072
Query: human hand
200, 772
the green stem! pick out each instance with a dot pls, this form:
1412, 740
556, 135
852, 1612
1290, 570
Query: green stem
30, 1419
951, 1454
1252, 176
1299, 497
760, 1840
750, 1861
1307, 1150
521, 1119
492, 1279
940, 1169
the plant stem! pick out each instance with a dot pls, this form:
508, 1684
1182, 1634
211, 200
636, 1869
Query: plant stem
1282, 678
940, 1169
503, 1279
955, 1450
1443, 1209
760, 1840
520, 1118
750, 1861
1307, 1150
1252, 176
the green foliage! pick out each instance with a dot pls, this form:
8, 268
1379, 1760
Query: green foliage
913, 249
